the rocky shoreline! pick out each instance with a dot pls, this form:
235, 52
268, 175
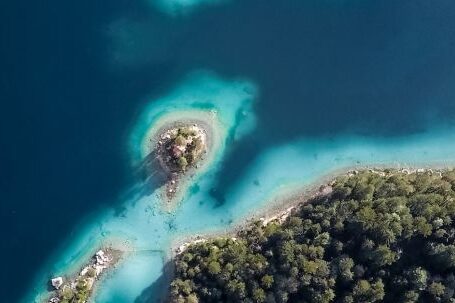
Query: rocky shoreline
282, 208
179, 150
176, 152
80, 287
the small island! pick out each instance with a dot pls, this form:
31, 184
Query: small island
178, 150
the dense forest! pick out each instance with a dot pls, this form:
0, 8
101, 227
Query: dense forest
377, 237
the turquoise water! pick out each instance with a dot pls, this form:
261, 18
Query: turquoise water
300, 90
182, 7
147, 231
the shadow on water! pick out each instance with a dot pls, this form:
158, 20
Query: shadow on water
158, 291
152, 173
151, 177
380, 69
323, 68
242, 154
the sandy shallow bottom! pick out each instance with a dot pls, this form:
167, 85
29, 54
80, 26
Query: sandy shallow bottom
148, 232
152, 232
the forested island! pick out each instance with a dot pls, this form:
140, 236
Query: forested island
181, 147
377, 236
178, 149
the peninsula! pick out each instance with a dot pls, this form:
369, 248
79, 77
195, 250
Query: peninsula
368, 236
78, 288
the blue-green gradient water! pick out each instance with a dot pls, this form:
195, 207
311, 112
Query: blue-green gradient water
302, 88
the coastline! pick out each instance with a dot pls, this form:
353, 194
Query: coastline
284, 202
207, 119
118, 250
212, 128
101, 264
277, 207
280, 204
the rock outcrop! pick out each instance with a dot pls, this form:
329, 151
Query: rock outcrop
81, 285
57, 282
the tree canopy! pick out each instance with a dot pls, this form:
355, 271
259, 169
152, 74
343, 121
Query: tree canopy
377, 237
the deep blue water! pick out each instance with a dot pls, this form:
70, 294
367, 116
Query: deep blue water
73, 77
64, 117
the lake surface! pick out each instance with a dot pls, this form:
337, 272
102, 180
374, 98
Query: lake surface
304, 88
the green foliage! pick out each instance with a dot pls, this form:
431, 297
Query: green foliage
267, 281
66, 293
81, 291
258, 295
365, 291
183, 149
186, 132
182, 163
376, 238
214, 268
91, 272
197, 144
180, 140
418, 278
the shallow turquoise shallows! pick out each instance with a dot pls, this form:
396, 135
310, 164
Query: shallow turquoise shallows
298, 91
148, 231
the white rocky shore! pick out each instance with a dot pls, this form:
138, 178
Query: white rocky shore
81, 285
184, 246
